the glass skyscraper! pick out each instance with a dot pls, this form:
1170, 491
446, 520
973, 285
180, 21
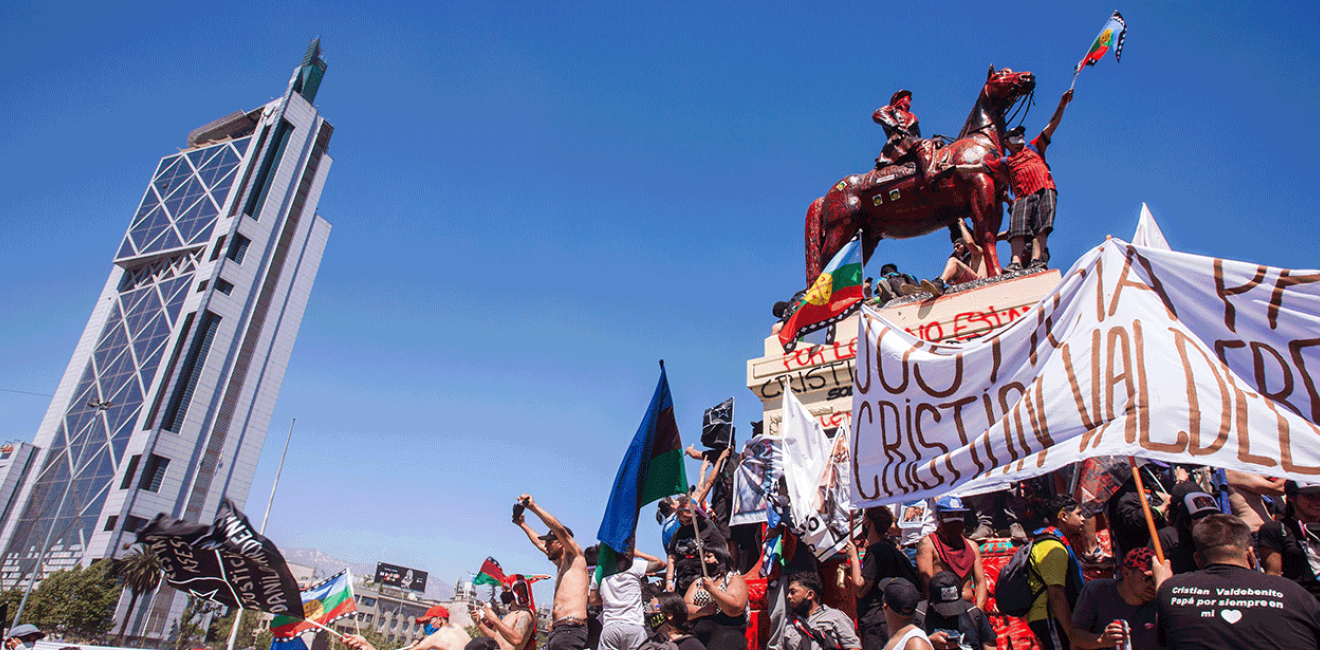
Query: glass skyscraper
165, 404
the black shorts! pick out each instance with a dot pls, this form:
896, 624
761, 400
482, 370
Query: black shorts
567, 636
1048, 634
1033, 214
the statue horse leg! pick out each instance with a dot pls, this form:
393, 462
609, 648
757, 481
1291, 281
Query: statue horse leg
986, 219
814, 240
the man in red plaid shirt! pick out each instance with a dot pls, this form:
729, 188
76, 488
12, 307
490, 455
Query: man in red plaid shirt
1035, 197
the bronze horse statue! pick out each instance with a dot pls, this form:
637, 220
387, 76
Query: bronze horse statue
887, 203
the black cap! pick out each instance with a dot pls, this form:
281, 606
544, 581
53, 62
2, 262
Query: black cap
889, 268
551, 535
946, 595
1016, 131
900, 595
1293, 487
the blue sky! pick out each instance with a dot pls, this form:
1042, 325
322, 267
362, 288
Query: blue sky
534, 202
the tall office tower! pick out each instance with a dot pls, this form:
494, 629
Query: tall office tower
165, 404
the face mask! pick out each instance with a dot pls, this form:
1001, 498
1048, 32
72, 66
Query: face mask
430, 629
655, 620
712, 567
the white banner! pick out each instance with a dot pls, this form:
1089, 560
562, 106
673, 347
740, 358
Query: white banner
754, 479
1139, 351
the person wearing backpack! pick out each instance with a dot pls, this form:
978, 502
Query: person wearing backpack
1054, 576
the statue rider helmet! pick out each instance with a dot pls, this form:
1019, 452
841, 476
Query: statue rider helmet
899, 95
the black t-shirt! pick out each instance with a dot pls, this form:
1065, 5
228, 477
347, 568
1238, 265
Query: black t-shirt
883, 560
973, 626
1100, 604
682, 544
1226, 607
1178, 548
690, 643
1296, 548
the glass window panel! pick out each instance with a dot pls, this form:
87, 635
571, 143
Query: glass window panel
165, 241
126, 249
196, 156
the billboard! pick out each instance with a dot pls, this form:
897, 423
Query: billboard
401, 577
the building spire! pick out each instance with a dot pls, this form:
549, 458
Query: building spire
308, 79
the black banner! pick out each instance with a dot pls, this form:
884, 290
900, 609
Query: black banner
227, 562
717, 426
401, 577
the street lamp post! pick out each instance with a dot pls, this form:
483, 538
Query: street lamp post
100, 405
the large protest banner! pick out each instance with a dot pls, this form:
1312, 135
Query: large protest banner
1139, 351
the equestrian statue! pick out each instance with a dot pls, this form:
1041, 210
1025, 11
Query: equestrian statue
916, 189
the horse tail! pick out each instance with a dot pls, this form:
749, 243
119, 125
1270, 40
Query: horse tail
814, 239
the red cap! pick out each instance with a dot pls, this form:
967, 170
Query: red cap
438, 610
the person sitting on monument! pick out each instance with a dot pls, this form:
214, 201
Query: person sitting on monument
965, 264
903, 133
893, 284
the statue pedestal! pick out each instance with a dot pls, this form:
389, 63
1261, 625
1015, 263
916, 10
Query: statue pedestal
822, 375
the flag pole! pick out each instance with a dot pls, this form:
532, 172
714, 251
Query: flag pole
238, 618
1145, 508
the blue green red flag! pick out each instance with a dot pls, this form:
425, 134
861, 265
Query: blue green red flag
323, 603
834, 295
652, 469
1111, 35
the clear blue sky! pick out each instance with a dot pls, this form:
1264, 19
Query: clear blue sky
534, 202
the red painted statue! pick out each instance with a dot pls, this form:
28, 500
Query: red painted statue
899, 201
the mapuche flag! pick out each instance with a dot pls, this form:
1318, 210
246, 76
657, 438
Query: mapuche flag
491, 574
834, 295
1111, 35
652, 469
227, 562
323, 603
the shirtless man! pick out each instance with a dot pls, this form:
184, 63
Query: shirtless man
516, 631
569, 630
956, 271
948, 550
440, 634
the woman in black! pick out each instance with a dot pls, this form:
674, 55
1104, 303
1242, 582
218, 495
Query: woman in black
717, 604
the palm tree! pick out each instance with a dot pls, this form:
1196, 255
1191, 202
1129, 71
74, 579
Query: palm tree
140, 573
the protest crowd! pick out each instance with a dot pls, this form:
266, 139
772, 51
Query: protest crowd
1077, 566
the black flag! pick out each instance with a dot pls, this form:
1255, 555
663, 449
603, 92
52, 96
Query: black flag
227, 562
717, 425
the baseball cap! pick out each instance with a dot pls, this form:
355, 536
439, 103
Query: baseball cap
1016, 132
1200, 504
950, 505
436, 610
946, 595
1293, 487
551, 535
1139, 559
900, 595
26, 629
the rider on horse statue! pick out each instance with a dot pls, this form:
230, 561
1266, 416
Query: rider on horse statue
903, 131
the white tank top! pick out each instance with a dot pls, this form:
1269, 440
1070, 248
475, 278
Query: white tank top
914, 632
